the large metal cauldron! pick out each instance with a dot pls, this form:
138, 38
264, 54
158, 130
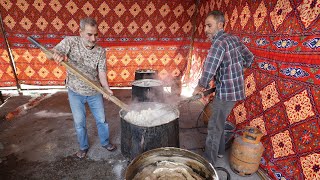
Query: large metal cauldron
146, 74
148, 162
147, 90
136, 139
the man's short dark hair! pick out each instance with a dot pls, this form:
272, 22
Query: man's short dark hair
217, 15
87, 21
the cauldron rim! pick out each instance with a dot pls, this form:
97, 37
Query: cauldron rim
146, 71
123, 112
136, 82
164, 151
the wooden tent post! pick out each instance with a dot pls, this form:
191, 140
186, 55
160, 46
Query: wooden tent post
194, 28
14, 70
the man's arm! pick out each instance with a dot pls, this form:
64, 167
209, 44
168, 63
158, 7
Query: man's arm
247, 56
102, 69
104, 82
61, 50
210, 66
212, 63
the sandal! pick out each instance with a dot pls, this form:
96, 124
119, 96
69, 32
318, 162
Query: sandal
82, 153
110, 147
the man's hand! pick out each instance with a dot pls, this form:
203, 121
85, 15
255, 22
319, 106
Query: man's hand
198, 90
57, 57
109, 91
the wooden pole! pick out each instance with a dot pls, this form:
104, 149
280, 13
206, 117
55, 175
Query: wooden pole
187, 67
14, 70
75, 71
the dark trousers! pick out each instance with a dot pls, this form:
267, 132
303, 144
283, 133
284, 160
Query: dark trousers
215, 142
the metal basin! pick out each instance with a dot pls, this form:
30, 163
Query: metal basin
196, 165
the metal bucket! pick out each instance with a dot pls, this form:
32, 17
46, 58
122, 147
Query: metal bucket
147, 90
136, 139
145, 74
148, 165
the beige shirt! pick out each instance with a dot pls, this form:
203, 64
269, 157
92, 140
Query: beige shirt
88, 62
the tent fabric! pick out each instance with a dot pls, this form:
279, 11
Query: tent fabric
282, 87
136, 34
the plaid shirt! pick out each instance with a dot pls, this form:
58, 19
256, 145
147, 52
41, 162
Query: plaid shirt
225, 62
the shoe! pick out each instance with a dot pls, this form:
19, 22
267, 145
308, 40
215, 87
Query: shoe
110, 147
82, 153
220, 156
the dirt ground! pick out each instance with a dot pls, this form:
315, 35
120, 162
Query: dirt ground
64, 168
40, 143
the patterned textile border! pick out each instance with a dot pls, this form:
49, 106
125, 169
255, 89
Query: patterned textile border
21, 110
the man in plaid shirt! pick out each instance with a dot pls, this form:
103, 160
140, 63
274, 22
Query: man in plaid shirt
225, 64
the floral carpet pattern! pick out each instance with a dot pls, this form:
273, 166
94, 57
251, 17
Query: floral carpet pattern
282, 87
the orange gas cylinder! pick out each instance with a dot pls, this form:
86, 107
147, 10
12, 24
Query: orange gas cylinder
246, 152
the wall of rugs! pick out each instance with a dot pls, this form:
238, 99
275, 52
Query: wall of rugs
145, 34
282, 87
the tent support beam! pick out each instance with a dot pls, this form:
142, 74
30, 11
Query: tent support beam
14, 70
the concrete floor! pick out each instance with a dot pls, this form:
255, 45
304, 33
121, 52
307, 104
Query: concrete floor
40, 143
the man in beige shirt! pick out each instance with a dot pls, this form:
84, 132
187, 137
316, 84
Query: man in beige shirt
84, 54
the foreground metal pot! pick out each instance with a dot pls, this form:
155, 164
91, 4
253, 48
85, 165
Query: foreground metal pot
198, 164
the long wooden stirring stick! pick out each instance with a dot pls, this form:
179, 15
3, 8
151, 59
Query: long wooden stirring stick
83, 77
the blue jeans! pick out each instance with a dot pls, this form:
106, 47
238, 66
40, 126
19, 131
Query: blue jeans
77, 104
215, 142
